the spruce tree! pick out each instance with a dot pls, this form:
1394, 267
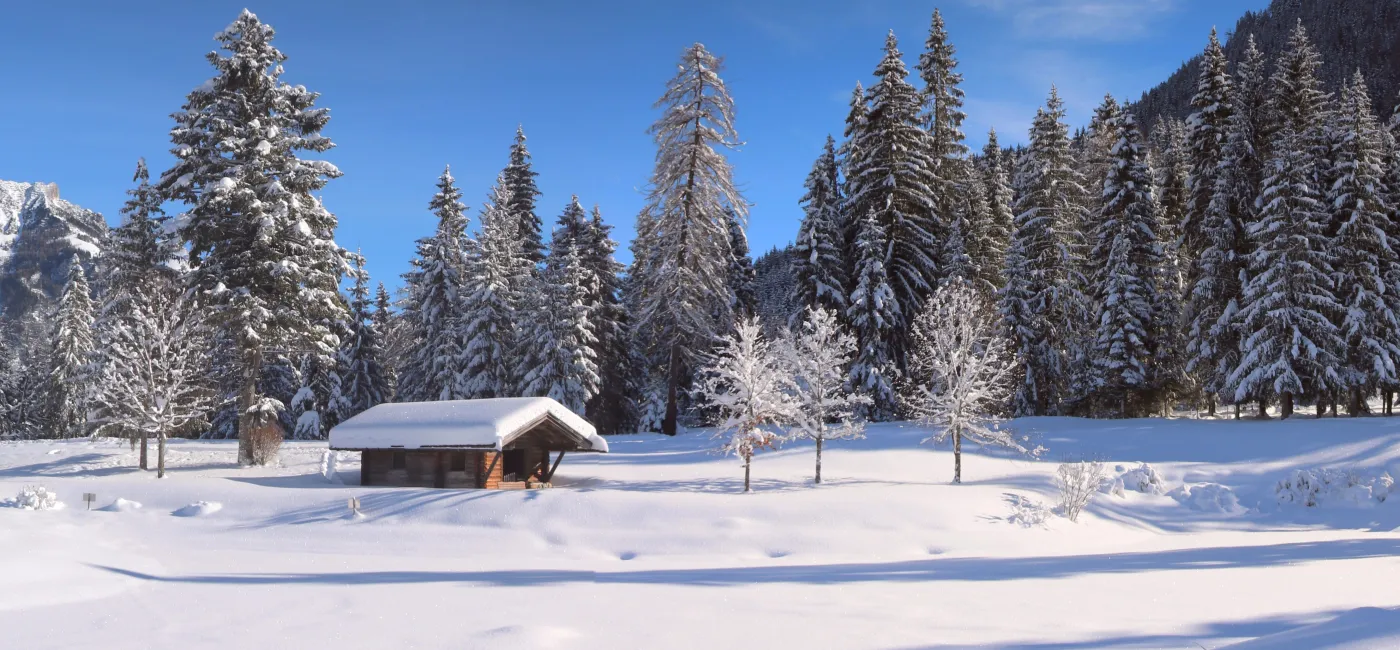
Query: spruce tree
847, 157
1206, 133
520, 181
1290, 343
1125, 287
385, 323
1049, 321
1365, 261
70, 376
743, 299
942, 117
437, 286
1097, 150
893, 179
562, 335
996, 231
500, 276
612, 409
683, 248
365, 381
262, 245
819, 261
873, 312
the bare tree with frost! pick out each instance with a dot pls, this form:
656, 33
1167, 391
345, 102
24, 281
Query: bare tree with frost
748, 385
961, 373
817, 355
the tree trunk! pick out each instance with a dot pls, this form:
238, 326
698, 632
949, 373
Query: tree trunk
144, 463
1263, 409
673, 380
160, 455
258, 437
819, 460
1285, 405
1237, 410
957, 457
1389, 402
1321, 404
748, 460
1210, 405
1354, 409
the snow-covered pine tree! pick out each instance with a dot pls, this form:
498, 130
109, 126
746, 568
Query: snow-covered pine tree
520, 181
995, 231
743, 299
493, 357
386, 324
437, 286
983, 242
746, 381
1048, 311
682, 251
961, 373
847, 157
155, 381
1127, 254
1206, 133
70, 376
1213, 297
561, 336
1291, 344
262, 246
1298, 105
365, 381
1172, 175
819, 262
893, 180
1365, 261
612, 409
874, 311
1096, 152
817, 353
137, 259
942, 117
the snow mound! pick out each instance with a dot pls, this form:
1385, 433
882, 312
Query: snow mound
1208, 497
1143, 478
1366, 628
33, 497
121, 505
1318, 487
199, 509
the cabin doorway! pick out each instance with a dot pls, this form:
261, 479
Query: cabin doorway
513, 465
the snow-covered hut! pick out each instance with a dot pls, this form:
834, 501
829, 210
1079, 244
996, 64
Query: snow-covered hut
503, 443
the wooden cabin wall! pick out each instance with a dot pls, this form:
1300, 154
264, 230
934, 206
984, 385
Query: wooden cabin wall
490, 481
421, 468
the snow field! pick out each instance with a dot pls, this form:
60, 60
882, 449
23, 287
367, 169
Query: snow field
653, 543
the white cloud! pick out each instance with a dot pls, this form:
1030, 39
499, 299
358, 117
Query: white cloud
1109, 20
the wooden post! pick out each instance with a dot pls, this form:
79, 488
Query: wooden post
491, 468
550, 477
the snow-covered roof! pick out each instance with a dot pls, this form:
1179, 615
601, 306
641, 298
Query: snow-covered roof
485, 423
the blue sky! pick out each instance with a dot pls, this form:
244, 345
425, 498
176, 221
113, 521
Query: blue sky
423, 84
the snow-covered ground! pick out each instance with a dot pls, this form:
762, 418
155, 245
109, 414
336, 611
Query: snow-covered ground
653, 546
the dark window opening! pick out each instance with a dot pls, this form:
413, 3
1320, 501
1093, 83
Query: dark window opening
459, 462
400, 460
513, 465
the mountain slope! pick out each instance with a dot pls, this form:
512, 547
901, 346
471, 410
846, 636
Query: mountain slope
40, 234
1348, 33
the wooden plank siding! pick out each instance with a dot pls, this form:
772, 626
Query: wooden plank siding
421, 468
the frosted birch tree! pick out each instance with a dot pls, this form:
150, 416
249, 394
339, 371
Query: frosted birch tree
745, 380
961, 373
817, 355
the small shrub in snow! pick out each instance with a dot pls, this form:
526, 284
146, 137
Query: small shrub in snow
34, 497
1143, 478
1207, 497
1026, 512
1314, 487
1077, 482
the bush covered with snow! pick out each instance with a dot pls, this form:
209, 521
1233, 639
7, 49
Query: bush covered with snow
1077, 483
1317, 486
1026, 512
34, 497
1143, 478
1208, 497
330, 470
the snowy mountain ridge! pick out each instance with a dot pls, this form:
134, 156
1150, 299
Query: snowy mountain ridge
40, 234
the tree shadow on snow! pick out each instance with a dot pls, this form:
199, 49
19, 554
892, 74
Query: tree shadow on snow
925, 570
70, 466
